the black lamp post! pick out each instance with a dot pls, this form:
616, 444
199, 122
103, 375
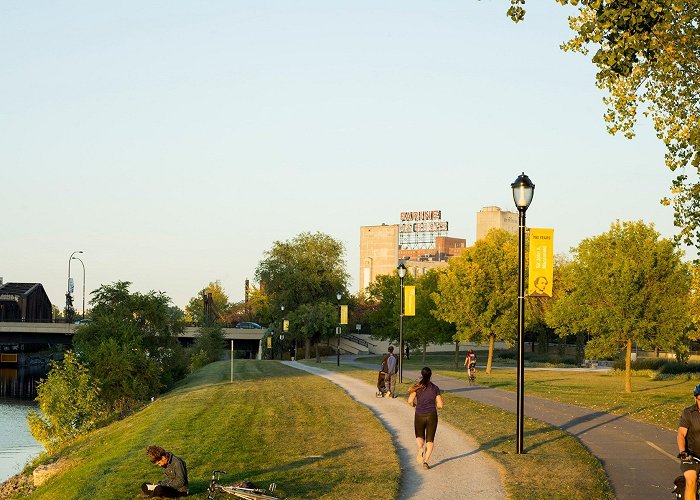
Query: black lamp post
83, 263
282, 330
69, 292
523, 191
401, 269
338, 296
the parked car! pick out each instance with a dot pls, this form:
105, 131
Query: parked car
83, 321
248, 325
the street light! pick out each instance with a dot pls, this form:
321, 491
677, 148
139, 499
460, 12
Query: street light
83, 263
338, 296
401, 269
282, 334
523, 191
69, 298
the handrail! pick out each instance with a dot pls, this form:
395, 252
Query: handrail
358, 340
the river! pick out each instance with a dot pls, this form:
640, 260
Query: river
17, 392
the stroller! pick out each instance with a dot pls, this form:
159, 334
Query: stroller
381, 390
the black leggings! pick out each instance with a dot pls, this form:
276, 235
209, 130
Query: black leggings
425, 426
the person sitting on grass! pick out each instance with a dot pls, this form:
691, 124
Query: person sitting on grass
176, 471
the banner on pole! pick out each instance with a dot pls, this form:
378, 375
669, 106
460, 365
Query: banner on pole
409, 300
285, 325
343, 315
269, 342
541, 273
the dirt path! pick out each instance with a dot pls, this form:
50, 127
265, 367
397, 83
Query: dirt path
458, 469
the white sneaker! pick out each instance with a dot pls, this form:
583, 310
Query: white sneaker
388, 394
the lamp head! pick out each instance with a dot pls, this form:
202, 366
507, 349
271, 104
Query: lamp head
523, 191
281, 308
401, 270
338, 296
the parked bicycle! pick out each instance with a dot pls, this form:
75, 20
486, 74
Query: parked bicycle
238, 490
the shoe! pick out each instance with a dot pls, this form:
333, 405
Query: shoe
419, 456
388, 394
426, 466
393, 395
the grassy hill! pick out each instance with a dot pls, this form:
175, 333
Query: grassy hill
272, 424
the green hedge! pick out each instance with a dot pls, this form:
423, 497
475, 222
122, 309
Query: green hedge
660, 365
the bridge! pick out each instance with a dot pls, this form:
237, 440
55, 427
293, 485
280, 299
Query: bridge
15, 336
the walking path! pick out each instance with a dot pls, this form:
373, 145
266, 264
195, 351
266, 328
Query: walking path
639, 459
458, 469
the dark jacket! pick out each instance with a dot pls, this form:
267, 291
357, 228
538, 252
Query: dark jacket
176, 471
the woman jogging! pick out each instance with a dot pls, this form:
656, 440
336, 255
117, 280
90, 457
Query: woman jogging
425, 397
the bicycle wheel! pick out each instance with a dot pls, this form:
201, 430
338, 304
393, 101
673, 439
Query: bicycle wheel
248, 494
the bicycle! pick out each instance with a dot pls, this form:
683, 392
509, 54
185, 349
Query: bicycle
237, 491
679, 482
471, 370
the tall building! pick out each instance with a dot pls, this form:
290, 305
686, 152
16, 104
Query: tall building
489, 218
379, 252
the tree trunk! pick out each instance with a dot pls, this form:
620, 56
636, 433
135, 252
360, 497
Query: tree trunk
456, 354
307, 348
656, 352
425, 348
318, 354
492, 339
580, 346
628, 366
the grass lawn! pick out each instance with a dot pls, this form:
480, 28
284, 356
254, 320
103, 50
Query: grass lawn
654, 401
273, 424
571, 472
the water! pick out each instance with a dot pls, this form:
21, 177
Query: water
17, 392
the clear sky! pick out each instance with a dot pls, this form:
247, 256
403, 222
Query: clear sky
174, 141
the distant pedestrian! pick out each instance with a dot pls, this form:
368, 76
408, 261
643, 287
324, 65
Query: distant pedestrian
408, 352
425, 397
175, 470
389, 363
688, 440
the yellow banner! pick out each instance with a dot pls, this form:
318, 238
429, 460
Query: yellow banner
409, 301
541, 272
343, 315
269, 342
285, 325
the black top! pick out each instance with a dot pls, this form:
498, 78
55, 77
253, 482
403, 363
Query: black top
690, 419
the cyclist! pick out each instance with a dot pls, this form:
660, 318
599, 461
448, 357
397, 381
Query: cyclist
470, 362
688, 439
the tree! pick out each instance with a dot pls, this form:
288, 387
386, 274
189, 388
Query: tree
425, 327
312, 322
383, 314
208, 346
478, 291
627, 286
308, 268
306, 271
69, 404
194, 310
131, 347
648, 56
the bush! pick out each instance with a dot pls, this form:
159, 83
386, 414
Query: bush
539, 358
659, 365
69, 403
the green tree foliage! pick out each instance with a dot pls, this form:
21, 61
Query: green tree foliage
208, 346
309, 268
194, 310
478, 291
647, 53
311, 323
69, 404
382, 296
626, 286
131, 347
307, 271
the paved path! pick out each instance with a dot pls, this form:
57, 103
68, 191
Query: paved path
639, 459
459, 470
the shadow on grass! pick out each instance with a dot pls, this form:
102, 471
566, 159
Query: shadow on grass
305, 489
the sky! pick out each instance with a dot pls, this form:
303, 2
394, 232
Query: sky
174, 142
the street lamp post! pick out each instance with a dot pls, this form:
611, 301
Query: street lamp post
338, 296
523, 191
401, 269
83, 263
69, 296
282, 334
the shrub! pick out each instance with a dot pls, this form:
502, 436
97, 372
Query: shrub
69, 403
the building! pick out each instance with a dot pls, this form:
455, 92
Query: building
379, 252
489, 218
24, 302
